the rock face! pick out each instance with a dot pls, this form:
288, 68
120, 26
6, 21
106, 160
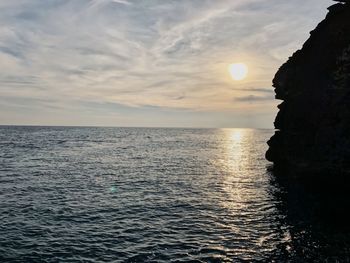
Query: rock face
313, 124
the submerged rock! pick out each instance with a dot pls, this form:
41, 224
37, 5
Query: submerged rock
313, 124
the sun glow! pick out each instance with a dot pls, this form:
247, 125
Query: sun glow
238, 71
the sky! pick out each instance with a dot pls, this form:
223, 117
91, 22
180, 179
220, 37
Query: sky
147, 63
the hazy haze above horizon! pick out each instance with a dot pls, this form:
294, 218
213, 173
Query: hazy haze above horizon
146, 63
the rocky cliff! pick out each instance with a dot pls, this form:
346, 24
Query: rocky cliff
313, 122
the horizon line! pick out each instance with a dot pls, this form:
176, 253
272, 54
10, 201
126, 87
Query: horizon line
136, 127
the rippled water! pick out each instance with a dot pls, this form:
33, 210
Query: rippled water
151, 195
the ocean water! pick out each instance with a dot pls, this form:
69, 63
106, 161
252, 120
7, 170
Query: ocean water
155, 195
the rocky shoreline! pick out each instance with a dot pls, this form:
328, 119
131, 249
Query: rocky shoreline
313, 122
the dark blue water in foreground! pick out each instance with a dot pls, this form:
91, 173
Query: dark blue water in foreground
153, 195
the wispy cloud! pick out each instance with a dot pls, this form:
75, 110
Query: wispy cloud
254, 98
166, 54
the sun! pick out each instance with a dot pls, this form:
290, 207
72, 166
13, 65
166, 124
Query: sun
238, 71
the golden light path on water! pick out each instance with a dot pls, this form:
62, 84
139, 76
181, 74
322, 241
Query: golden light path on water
247, 192
235, 163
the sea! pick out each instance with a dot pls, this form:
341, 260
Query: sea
93, 194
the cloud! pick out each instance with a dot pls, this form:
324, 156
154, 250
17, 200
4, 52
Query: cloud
167, 54
254, 98
258, 90
121, 2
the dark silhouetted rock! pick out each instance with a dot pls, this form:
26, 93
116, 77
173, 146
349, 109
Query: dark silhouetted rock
313, 124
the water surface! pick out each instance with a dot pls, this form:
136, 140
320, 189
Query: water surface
150, 195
